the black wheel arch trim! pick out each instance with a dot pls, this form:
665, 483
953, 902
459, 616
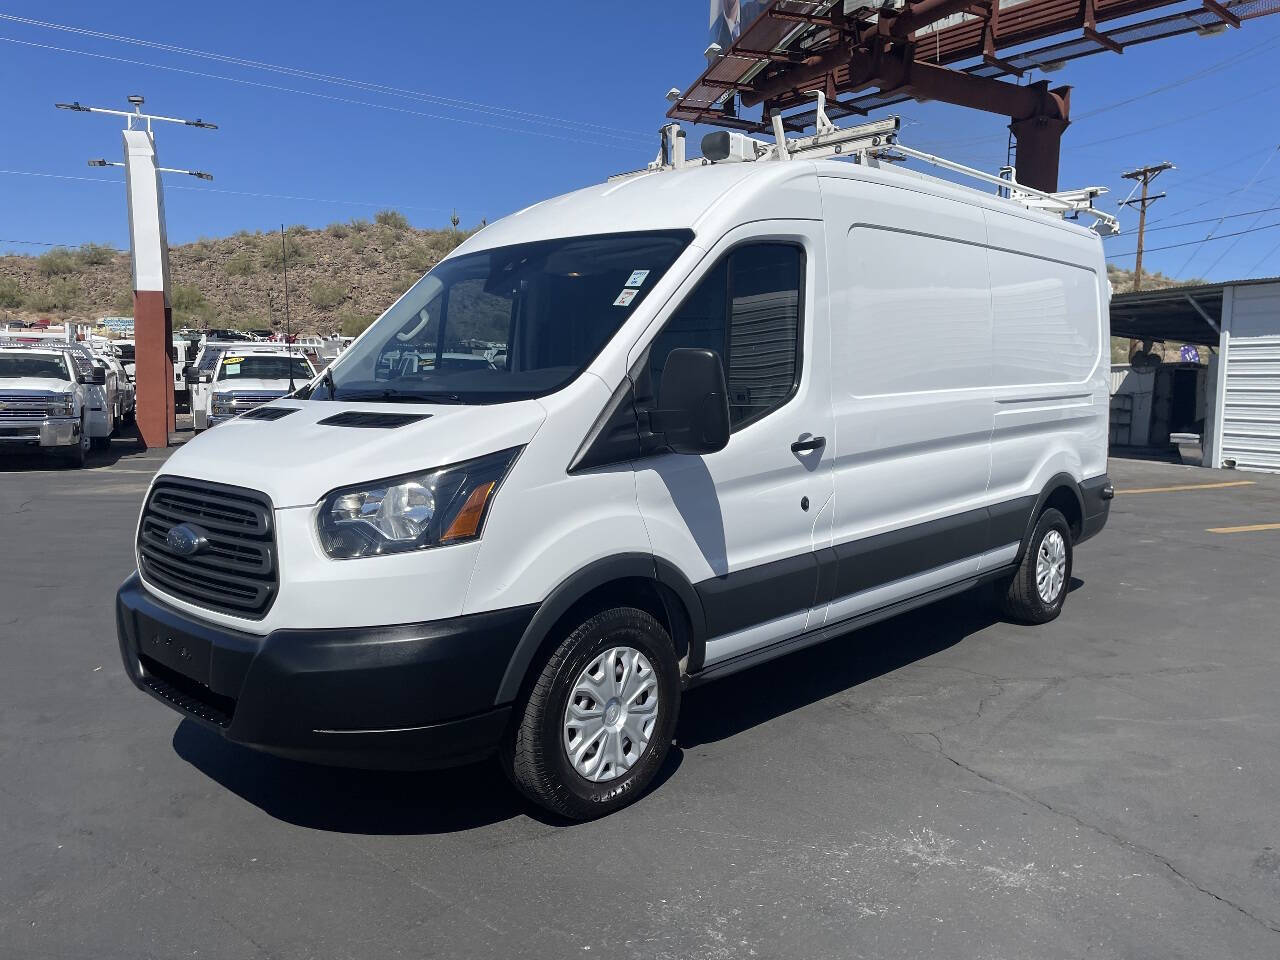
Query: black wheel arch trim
1054, 483
601, 573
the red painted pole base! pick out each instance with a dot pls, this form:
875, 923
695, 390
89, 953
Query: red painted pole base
153, 367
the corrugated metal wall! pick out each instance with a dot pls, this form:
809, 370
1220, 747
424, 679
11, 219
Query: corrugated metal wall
1251, 404
1251, 397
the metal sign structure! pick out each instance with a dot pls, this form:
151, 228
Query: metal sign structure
965, 52
149, 250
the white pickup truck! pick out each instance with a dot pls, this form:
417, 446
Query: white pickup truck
245, 379
44, 399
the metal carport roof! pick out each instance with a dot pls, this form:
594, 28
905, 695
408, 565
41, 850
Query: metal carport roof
1188, 314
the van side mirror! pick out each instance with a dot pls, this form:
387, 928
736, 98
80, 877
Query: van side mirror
693, 414
189, 373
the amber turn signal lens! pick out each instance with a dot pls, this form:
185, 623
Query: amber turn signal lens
467, 522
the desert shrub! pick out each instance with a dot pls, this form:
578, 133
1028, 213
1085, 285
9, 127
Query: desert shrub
95, 254
358, 242
122, 301
353, 323
63, 293
272, 256
392, 218
358, 225
326, 296
57, 261
419, 259
338, 230
241, 264
370, 258
186, 297
10, 292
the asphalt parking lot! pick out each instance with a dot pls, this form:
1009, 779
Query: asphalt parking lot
943, 785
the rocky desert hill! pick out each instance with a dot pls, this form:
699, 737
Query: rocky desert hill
340, 277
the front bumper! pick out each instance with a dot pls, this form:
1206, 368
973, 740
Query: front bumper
404, 697
49, 432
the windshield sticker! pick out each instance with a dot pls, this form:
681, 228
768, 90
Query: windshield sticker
625, 298
230, 360
637, 278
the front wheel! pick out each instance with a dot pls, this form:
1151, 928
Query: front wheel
80, 452
1039, 588
597, 723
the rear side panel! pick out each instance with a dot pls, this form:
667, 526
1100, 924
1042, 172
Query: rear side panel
1050, 331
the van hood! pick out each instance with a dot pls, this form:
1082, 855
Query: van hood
35, 384
296, 459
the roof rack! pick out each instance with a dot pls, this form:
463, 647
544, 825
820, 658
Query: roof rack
868, 144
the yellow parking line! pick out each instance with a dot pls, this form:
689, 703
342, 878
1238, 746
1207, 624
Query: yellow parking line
1251, 528
1190, 486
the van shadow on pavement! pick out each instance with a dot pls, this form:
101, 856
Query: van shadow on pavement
444, 801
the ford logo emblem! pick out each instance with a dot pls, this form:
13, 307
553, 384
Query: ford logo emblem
186, 540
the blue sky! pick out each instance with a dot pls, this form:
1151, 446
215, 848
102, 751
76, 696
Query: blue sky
514, 102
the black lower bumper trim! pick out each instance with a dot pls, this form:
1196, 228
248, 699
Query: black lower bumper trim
410, 696
1097, 493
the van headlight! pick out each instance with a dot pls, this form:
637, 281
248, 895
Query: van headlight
429, 509
221, 403
61, 405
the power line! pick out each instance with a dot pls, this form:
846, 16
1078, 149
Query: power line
1191, 223
37, 243
1252, 180
240, 193
1264, 258
312, 93
1188, 243
370, 86
1255, 50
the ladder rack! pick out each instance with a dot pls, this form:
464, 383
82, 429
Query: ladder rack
867, 144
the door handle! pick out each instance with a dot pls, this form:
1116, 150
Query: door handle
813, 443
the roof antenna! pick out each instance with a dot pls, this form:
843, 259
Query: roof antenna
284, 254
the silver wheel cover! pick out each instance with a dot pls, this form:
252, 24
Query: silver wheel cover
610, 715
1051, 566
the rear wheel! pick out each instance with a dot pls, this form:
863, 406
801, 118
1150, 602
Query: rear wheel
597, 723
1039, 588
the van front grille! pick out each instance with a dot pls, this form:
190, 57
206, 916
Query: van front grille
233, 566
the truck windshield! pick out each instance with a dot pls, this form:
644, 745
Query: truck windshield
505, 324
15, 365
264, 368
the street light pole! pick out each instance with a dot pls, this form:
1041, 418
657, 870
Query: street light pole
149, 252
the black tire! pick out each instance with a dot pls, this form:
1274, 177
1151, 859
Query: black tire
1022, 601
100, 443
535, 756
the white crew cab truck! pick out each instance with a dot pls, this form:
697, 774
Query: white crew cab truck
744, 408
245, 379
45, 399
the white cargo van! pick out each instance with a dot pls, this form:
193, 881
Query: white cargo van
741, 408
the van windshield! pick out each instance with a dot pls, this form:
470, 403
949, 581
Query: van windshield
505, 324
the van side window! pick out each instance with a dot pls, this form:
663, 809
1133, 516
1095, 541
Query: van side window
747, 309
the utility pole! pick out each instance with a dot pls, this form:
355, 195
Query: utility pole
1145, 175
149, 251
